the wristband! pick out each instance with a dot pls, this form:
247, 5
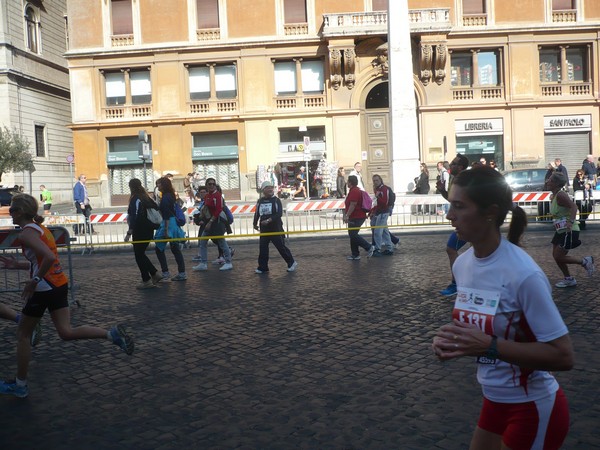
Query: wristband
36, 279
492, 351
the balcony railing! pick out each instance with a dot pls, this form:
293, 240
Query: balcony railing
121, 40
300, 102
474, 20
208, 34
564, 16
127, 112
209, 107
573, 89
366, 23
295, 29
478, 93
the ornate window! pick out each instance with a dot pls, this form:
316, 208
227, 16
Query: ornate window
476, 74
474, 13
128, 93
121, 22
564, 10
213, 81
32, 28
567, 66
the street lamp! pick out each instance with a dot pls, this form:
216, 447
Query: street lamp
144, 152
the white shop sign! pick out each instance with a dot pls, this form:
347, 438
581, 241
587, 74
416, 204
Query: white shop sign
562, 124
479, 127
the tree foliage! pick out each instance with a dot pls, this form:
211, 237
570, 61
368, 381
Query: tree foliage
14, 152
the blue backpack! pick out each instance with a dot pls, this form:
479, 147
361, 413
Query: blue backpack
179, 216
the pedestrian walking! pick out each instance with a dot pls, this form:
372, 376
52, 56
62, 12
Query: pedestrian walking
267, 219
142, 231
583, 194
47, 288
566, 237
380, 213
82, 205
505, 316
169, 230
215, 226
454, 244
46, 198
355, 216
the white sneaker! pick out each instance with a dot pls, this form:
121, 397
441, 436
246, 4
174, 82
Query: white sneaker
567, 282
200, 267
293, 267
226, 266
588, 264
371, 251
219, 260
196, 259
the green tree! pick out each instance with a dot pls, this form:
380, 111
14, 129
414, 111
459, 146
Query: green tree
14, 152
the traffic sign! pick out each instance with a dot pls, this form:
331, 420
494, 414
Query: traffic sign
70, 159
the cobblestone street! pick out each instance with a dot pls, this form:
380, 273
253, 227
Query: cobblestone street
334, 356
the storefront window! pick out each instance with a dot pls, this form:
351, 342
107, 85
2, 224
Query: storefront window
461, 69
476, 147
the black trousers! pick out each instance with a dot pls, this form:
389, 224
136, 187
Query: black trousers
147, 269
80, 227
263, 254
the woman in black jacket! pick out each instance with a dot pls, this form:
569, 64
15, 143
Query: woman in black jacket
142, 231
422, 186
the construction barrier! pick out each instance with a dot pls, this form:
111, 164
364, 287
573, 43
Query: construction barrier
315, 216
9, 244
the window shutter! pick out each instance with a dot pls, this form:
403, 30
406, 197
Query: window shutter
122, 19
115, 84
294, 11
561, 5
285, 78
225, 81
473, 6
199, 82
208, 13
312, 76
380, 5
140, 83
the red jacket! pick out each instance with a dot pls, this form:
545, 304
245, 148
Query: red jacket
214, 203
355, 195
382, 196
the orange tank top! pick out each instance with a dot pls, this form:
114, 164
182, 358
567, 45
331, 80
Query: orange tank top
55, 277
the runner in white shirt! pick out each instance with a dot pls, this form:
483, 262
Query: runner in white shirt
505, 316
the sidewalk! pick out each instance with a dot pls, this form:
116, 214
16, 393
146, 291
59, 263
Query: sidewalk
334, 356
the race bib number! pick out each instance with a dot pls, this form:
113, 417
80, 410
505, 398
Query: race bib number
560, 224
476, 307
265, 209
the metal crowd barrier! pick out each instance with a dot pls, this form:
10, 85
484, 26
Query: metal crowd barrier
13, 279
315, 216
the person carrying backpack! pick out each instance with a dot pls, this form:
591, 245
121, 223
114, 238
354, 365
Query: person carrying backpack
381, 213
267, 219
354, 216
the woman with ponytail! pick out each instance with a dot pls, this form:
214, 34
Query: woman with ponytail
504, 315
47, 288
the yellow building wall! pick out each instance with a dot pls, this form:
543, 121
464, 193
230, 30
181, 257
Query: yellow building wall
592, 9
520, 11
244, 21
90, 13
158, 26
256, 83
83, 105
170, 81
523, 70
347, 140
527, 137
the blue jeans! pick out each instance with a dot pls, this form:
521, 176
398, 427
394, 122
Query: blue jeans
357, 241
381, 236
217, 230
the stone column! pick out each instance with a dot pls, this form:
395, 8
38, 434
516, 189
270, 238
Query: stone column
404, 135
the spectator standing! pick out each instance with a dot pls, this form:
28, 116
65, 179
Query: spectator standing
169, 230
381, 212
301, 183
213, 201
582, 190
142, 232
566, 236
46, 197
505, 316
355, 216
340, 183
493, 165
82, 205
454, 244
47, 288
551, 168
422, 186
562, 169
267, 219
589, 170
357, 173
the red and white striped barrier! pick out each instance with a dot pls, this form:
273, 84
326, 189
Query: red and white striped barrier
108, 218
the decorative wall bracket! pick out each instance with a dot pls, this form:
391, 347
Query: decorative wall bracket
432, 61
381, 62
342, 71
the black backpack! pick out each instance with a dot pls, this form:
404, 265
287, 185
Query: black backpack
391, 198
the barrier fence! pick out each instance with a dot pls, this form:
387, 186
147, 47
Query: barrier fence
9, 245
315, 216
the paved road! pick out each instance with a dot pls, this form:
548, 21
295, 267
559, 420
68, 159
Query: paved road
334, 356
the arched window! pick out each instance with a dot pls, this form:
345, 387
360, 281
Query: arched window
32, 28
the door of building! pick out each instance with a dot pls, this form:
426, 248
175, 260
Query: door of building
377, 146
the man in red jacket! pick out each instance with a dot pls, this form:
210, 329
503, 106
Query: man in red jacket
381, 212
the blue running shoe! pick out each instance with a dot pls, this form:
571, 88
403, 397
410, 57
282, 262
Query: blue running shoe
11, 388
121, 338
449, 291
